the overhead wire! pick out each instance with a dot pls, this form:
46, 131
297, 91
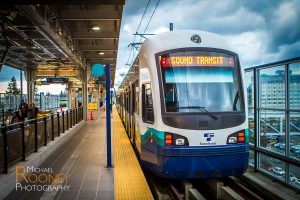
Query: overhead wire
132, 48
151, 16
133, 57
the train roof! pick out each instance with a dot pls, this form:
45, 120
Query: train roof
182, 39
174, 40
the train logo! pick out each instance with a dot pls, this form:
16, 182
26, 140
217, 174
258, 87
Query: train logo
209, 136
209, 139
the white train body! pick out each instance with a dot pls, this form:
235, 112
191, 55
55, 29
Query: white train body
177, 72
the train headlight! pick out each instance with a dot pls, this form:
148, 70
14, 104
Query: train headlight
172, 139
232, 140
179, 141
237, 137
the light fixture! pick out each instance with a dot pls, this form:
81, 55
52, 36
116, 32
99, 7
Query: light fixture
101, 53
95, 27
196, 38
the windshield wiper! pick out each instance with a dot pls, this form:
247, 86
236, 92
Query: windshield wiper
202, 109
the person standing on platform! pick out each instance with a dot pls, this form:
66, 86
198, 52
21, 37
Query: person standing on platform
23, 109
32, 111
15, 117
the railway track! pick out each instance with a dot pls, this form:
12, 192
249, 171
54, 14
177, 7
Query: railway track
241, 188
230, 188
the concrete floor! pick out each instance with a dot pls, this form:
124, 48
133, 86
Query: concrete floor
83, 159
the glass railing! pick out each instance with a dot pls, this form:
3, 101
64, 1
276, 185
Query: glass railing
273, 96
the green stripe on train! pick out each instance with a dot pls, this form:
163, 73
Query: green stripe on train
158, 136
247, 135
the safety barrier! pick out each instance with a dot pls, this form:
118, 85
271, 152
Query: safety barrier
19, 140
273, 97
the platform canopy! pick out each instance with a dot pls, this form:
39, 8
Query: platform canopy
61, 39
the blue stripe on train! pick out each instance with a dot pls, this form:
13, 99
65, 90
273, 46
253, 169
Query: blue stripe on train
197, 162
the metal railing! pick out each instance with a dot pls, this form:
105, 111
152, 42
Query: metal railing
50, 101
11, 101
19, 140
274, 119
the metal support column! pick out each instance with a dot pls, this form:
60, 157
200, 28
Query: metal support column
256, 122
21, 85
287, 121
4, 55
108, 113
84, 92
30, 85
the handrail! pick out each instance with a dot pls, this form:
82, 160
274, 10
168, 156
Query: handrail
283, 62
31, 128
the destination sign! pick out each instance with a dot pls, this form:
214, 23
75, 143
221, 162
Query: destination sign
197, 61
57, 80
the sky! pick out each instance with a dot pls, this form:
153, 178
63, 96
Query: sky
7, 73
260, 31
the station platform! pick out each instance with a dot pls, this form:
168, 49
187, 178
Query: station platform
83, 159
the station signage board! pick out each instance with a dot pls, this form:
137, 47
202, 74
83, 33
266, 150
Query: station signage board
40, 83
57, 80
99, 82
92, 106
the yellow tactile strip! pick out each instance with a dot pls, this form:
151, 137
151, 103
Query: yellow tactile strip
130, 182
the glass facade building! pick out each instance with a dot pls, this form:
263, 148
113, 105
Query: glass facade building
273, 96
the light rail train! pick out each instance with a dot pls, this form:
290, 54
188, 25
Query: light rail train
183, 106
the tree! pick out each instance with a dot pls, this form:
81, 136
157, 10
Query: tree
13, 87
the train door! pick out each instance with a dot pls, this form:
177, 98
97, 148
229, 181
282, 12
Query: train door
128, 116
137, 131
129, 113
132, 114
147, 104
126, 112
121, 105
125, 108
147, 112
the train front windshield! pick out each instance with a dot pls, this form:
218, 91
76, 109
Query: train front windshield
198, 81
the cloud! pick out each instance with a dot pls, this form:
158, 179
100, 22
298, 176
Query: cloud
250, 47
3, 87
284, 25
52, 89
260, 31
289, 51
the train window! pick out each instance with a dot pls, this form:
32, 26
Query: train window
194, 80
147, 104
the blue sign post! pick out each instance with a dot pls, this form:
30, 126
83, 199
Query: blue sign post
98, 71
108, 121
